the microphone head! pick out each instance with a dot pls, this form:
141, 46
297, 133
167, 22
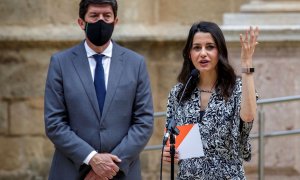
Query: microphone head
194, 73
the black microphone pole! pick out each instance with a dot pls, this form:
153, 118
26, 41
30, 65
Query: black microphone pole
172, 153
172, 130
171, 126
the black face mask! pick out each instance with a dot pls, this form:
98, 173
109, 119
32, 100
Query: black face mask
99, 32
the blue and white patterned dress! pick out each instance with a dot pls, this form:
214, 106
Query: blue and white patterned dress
224, 136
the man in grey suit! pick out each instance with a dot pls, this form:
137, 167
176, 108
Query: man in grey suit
98, 113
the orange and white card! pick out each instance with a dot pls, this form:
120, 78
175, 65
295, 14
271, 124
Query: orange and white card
188, 142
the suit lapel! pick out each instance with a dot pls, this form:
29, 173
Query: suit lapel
82, 67
115, 73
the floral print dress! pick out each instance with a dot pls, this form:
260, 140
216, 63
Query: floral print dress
224, 135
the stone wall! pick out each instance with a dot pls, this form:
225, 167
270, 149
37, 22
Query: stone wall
32, 30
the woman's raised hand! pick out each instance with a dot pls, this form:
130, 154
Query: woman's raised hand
248, 43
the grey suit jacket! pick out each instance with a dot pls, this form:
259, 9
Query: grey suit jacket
73, 121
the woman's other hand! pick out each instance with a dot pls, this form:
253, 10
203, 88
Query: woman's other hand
167, 156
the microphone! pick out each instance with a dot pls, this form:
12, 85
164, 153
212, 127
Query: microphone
171, 126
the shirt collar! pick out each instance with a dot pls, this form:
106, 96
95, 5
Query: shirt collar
90, 52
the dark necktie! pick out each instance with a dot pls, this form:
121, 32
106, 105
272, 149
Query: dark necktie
99, 81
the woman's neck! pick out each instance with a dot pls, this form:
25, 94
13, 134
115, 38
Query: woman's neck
207, 81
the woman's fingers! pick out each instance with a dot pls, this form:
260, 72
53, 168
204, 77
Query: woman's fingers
167, 157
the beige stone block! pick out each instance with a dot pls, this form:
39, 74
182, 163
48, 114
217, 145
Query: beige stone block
11, 154
27, 117
164, 62
276, 68
3, 117
188, 12
158, 132
281, 154
22, 158
11, 175
286, 6
261, 19
62, 11
138, 11
278, 72
33, 12
37, 154
297, 159
23, 72
48, 148
24, 12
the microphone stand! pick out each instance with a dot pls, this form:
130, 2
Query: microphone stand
172, 154
172, 130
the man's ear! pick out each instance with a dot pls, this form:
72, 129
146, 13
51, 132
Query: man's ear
81, 23
116, 21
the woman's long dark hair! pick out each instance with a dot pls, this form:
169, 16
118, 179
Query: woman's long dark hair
226, 76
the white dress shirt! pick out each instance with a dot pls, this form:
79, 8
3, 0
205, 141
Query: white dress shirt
106, 60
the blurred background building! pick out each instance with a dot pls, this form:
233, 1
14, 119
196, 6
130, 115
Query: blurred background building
32, 30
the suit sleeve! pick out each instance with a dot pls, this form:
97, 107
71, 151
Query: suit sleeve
142, 122
56, 117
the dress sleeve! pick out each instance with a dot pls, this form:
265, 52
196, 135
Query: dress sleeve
244, 127
245, 146
172, 101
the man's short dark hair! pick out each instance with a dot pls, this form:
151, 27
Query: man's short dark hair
84, 4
